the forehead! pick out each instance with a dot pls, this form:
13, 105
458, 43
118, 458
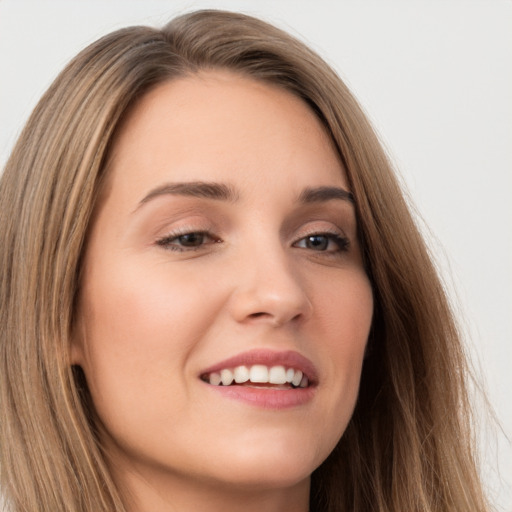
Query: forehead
220, 126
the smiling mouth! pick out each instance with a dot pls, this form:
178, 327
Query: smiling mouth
258, 376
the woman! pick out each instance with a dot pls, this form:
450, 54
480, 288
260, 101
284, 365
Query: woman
217, 297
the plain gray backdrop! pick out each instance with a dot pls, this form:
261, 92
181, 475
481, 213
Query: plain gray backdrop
436, 80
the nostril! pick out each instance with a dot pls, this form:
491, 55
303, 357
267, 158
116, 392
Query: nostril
257, 315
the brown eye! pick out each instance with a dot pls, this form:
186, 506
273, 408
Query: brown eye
191, 239
317, 242
187, 241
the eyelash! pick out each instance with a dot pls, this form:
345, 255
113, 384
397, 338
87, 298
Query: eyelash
168, 242
342, 242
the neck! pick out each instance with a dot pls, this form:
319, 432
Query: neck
175, 493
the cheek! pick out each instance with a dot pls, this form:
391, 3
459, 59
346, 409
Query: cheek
139, 307
139, 328
345, 309
345, 314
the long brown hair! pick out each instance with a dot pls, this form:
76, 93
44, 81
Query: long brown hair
408, 446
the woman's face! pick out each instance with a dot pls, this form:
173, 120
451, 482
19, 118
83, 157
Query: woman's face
224, 246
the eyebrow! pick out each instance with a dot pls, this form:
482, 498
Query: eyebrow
205, 190
321, 194
224, 192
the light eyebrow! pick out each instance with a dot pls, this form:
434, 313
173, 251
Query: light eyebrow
321, 194
206, 190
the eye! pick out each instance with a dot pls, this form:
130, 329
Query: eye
190, 241
323, 242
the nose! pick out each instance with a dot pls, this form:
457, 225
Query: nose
269, 290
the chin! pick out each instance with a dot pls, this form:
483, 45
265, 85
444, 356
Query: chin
271, 464
278, 476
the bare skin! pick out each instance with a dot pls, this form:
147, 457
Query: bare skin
261, 264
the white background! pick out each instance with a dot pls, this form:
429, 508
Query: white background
435, 78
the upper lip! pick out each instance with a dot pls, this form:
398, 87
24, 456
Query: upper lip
288, 359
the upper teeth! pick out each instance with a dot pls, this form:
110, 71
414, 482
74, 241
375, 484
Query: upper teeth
258, 373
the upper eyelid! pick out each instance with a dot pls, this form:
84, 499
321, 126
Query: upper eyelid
208, 227
331, 229
206, 217
328, 230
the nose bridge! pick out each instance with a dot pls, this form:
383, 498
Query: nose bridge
268, 286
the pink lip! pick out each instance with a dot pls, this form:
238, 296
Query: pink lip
268, 398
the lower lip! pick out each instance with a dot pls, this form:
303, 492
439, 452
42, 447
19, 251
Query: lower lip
267, 398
